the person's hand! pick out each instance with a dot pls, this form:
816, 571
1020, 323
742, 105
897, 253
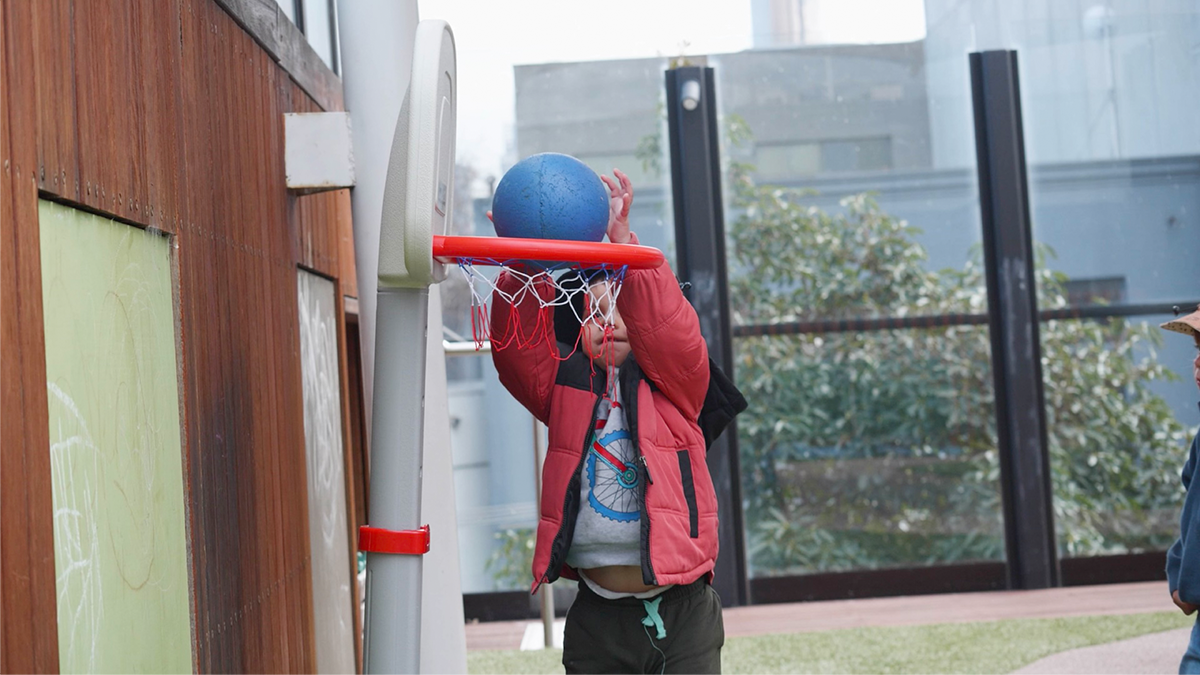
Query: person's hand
1186, 607
621, 191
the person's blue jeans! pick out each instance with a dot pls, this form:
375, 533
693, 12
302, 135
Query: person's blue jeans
1190, 665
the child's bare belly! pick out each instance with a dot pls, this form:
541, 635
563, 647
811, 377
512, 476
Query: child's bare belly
619, 578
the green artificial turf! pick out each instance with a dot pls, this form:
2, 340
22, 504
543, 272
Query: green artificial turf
991, 647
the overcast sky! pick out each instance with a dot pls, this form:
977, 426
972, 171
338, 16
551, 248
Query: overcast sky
491, 36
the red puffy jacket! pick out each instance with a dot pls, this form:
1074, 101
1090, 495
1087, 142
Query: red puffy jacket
663, 388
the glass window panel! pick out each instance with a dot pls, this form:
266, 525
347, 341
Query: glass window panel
839, 156
865, 450
492, 437
288, 7
787, 160
318, 28
873, 154
1120, 419
835, 197
1115, 201
1124, 228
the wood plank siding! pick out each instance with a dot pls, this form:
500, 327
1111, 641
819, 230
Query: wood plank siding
167, 114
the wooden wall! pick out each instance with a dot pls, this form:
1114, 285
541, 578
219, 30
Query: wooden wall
166, 114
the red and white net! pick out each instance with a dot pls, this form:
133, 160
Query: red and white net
590, 293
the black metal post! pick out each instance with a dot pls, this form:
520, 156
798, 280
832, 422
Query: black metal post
1013, 320
700, 252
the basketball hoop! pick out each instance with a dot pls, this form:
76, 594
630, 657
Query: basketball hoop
601, 266
417, 207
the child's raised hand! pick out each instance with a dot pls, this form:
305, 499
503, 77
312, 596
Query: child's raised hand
621, 190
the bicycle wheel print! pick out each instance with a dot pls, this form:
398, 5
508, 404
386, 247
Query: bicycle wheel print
614, 477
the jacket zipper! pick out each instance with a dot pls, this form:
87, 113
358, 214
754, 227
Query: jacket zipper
587, 444
631, 384
648, 576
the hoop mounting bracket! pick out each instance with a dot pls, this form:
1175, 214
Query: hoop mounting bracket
399, 542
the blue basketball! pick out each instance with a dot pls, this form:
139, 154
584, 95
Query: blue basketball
551, 196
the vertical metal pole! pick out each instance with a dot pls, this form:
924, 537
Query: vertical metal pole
700, 249
546, 595
1013, 320
392, 643
545, 592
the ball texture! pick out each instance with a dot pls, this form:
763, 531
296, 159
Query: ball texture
551, 196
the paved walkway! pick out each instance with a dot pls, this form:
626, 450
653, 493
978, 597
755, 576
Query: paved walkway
806, 617
1154, 653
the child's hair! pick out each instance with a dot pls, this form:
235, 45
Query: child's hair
573, 284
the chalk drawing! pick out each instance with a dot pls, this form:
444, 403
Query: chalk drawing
76, 535
328, 527
121, 565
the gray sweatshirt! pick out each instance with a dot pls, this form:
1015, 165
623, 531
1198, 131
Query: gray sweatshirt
608, 531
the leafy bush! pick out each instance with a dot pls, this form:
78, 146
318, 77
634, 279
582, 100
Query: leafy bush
866, 449
512, 560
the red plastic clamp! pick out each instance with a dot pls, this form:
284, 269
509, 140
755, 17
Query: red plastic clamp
401, 542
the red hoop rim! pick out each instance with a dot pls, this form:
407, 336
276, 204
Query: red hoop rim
496, 250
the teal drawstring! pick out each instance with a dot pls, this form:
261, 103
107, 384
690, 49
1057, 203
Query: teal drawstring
653, 619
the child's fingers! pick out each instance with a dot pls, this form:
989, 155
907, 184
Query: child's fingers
622, 189
615, 206
489, 217
612, 187
626, 184
626, 188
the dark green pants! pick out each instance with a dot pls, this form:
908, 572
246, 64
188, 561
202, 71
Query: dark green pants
610, 636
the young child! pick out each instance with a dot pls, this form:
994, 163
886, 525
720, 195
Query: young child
628, 506
1183, 560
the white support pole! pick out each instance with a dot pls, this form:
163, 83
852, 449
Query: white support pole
399, 201
392, 642
377, 38
546, 592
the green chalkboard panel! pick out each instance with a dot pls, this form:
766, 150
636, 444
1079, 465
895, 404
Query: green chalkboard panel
120, 545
